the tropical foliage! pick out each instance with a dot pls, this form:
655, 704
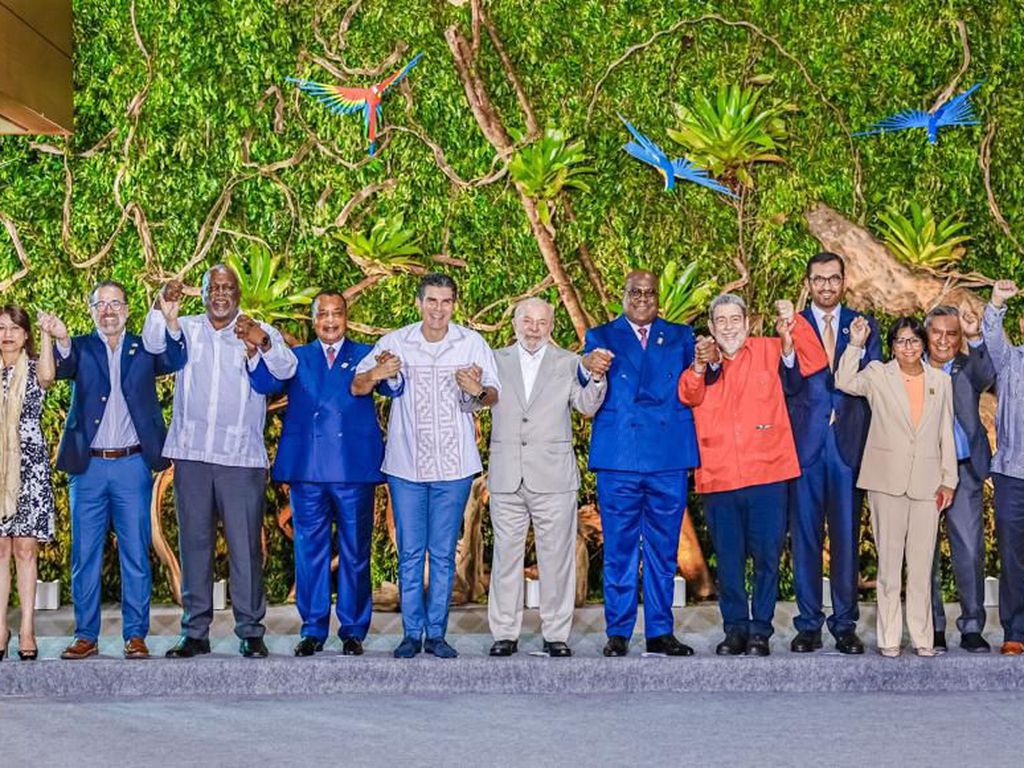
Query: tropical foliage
682, 296
388, 247
548, 166
923, 240
267, 291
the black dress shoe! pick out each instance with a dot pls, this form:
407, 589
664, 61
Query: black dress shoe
253, 648
973, 642
939, 642
734, 644
556, 649
617, 645
668, 645
849, 644
187, 647
504, 647
806, 641
307, 646
352, 646
757, 645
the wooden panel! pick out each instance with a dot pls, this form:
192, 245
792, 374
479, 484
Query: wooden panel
35, 71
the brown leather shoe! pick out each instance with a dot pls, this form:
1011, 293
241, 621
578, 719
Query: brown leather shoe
136, 648
1012, 648
80, 649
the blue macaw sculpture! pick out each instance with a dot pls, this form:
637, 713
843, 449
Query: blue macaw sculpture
646, 151
956, 111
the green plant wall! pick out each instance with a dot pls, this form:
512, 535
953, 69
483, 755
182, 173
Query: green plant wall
213, 116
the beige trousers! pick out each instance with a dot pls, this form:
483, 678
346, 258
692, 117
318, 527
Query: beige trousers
554, 531
904, 526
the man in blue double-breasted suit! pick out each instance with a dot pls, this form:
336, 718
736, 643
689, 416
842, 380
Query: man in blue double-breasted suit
642, 445
111, 445
330, 454
829, 428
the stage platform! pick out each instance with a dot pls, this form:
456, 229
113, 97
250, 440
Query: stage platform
225, 673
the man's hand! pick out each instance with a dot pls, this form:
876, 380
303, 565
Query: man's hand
388, 366
1002, 292
705, 352
469, 379
597, 362
784, 309
970, 325
943, 497
252, 334
53, 326
859, 331
168, 301
784, 322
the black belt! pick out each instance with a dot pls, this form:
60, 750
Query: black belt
115, 453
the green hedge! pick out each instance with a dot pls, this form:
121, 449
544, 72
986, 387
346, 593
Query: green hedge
213, 61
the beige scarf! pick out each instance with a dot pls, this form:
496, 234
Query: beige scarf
10, 438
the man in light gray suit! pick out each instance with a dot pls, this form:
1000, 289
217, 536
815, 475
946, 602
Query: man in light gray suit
533, 475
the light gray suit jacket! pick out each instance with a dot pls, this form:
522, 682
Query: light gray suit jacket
531, 440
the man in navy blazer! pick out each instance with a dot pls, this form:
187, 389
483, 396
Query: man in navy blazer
830, 428
330, 454
642, 446
111, 445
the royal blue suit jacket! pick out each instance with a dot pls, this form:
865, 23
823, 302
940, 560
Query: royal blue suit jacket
642, 426
329, 434
87, 367
811, 402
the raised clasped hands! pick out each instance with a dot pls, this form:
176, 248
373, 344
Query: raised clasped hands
859, 331
598, 362
469, 380
52, 325
388, 366
785, 316
1002, 292
168, 301
251, 334
705, 352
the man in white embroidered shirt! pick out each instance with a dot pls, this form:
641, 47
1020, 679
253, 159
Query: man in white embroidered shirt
220, 461
431, 456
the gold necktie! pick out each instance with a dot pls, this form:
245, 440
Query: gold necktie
828, 339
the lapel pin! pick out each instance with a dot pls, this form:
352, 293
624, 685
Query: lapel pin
661, 340
846, 331
132, 349
345, 364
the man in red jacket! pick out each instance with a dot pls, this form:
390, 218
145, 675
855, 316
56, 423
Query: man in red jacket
736, 388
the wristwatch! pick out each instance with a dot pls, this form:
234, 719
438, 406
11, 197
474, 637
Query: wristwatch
479, 396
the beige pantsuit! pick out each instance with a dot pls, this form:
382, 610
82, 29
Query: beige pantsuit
902, 470
533, 477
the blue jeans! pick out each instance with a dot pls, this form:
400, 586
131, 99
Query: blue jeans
111, 492
428, 517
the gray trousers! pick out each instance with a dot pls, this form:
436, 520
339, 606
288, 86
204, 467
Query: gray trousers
203, 493
966, 530
554, 530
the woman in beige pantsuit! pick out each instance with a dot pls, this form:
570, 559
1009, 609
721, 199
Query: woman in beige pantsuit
909, 470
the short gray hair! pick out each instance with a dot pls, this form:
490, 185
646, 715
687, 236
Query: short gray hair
725, 299
532, 301
942, 310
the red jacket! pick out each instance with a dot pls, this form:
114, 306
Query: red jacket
742, 424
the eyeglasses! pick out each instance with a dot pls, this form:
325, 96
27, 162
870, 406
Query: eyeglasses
820, 281
115, 305
641, 293
909, 341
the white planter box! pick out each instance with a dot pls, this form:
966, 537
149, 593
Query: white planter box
678, 592
531, 595
220, 594
47, 595
826, 592
991, 591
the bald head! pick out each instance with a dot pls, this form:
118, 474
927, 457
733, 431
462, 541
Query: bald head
533, 320
640, 299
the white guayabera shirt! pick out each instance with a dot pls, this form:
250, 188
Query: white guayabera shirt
218, 418
431, 435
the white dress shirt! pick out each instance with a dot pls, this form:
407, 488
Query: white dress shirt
431, 434
218, 418
529, 365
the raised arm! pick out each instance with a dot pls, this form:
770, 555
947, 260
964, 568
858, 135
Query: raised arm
46, 366
849, 377
999, 347
380, 369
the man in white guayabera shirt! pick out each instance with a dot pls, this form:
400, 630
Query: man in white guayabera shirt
220, 461
431, 456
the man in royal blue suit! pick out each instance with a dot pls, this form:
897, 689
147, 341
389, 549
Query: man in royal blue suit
642, 445
830, 428
330, 454
112, 444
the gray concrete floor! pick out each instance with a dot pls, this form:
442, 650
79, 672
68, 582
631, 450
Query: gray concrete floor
875, 729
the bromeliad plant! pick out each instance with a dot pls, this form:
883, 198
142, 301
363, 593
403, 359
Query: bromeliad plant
266, 290
386, 249
681, 297
546, 167
921, 240
730, 134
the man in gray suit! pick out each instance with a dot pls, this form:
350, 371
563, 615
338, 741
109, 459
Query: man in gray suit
533, 475
972, 374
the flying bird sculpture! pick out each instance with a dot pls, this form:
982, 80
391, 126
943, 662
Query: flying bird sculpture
646, 151
956, 111
346, 101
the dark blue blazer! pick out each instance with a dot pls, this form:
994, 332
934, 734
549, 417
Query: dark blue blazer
642, 426
87, 367
813, 399
973, 374
329, 435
